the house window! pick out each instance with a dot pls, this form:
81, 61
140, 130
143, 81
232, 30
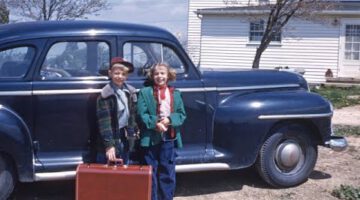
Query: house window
352, 42
257, 29
263, 1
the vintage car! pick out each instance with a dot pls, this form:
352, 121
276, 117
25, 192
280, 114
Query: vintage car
51, 74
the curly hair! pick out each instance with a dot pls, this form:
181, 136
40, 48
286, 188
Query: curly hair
171, 71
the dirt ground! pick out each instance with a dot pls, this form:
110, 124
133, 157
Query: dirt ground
331, 170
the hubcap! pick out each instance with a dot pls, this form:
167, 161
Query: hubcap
288, 154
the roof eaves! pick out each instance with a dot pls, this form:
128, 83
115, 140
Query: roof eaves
231, 12
341, 8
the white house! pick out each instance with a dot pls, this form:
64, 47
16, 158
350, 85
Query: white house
222, 36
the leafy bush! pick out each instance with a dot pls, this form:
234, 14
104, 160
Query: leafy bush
340, 97
346, 192
346, 130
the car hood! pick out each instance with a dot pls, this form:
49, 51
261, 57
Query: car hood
252, 78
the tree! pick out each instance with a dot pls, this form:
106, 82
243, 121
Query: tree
4, 13
279, 13
56, 9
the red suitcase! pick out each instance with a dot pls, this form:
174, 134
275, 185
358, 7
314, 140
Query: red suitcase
110, 182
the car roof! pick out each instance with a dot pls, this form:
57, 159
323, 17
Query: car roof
44, 29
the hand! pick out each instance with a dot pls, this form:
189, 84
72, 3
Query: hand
160, 127
110, 154
165, 121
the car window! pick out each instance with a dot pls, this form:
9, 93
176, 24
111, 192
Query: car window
76, 59
15, 62
144, 54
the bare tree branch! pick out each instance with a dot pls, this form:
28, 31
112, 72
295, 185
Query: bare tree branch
279, 14
56, 9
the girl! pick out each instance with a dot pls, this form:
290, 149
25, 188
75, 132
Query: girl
161, 111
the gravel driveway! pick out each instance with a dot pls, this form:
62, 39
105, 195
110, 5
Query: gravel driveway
347, 116
332, 169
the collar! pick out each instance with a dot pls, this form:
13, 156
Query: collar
110, 88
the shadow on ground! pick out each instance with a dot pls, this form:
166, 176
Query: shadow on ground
200, 183
188, 184
52, 190
317, 175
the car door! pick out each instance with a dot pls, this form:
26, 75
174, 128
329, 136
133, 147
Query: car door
16, 106
146, 52
16, 61
69, 78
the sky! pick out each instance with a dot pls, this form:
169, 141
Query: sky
169, 14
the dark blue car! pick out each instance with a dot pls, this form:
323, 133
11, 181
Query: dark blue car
51, 74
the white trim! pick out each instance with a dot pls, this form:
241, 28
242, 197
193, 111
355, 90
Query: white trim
89, 91
293, 116
221, 89
202, 167
52, 176
340, 12
347, 68
77, 91
15, 93
264, 12
231, 12
191, 89
258, 87
69, 175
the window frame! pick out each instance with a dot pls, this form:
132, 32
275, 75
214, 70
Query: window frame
261, 23
109, 40
352, 43
181, 55
28, 71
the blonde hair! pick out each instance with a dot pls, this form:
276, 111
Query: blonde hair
171, 71
121, 66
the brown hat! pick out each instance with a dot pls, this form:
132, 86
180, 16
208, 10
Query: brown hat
120, 60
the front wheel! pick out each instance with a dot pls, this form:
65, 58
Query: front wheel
287, 157
7, 178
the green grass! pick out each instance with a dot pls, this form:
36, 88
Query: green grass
346, 192
347, 130
340, 97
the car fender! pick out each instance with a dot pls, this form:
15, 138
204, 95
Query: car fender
16, 142
243, 120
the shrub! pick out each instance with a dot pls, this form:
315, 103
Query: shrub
346, 192
346, 130
340, 97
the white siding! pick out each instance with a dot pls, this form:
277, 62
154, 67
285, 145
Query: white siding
223, 43
313, 47
194, 21
194, 25
308, 45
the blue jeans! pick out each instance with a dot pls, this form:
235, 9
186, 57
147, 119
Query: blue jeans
162, 159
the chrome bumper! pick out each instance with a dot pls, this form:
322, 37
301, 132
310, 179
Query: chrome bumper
337, 143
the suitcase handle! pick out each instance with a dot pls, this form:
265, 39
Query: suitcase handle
116, 162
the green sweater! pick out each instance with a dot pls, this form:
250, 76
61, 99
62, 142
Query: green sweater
146, 109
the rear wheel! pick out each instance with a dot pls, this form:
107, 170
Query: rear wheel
7, 177
287, 157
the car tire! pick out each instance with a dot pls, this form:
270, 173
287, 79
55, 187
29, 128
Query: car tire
287, 157
7, 178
